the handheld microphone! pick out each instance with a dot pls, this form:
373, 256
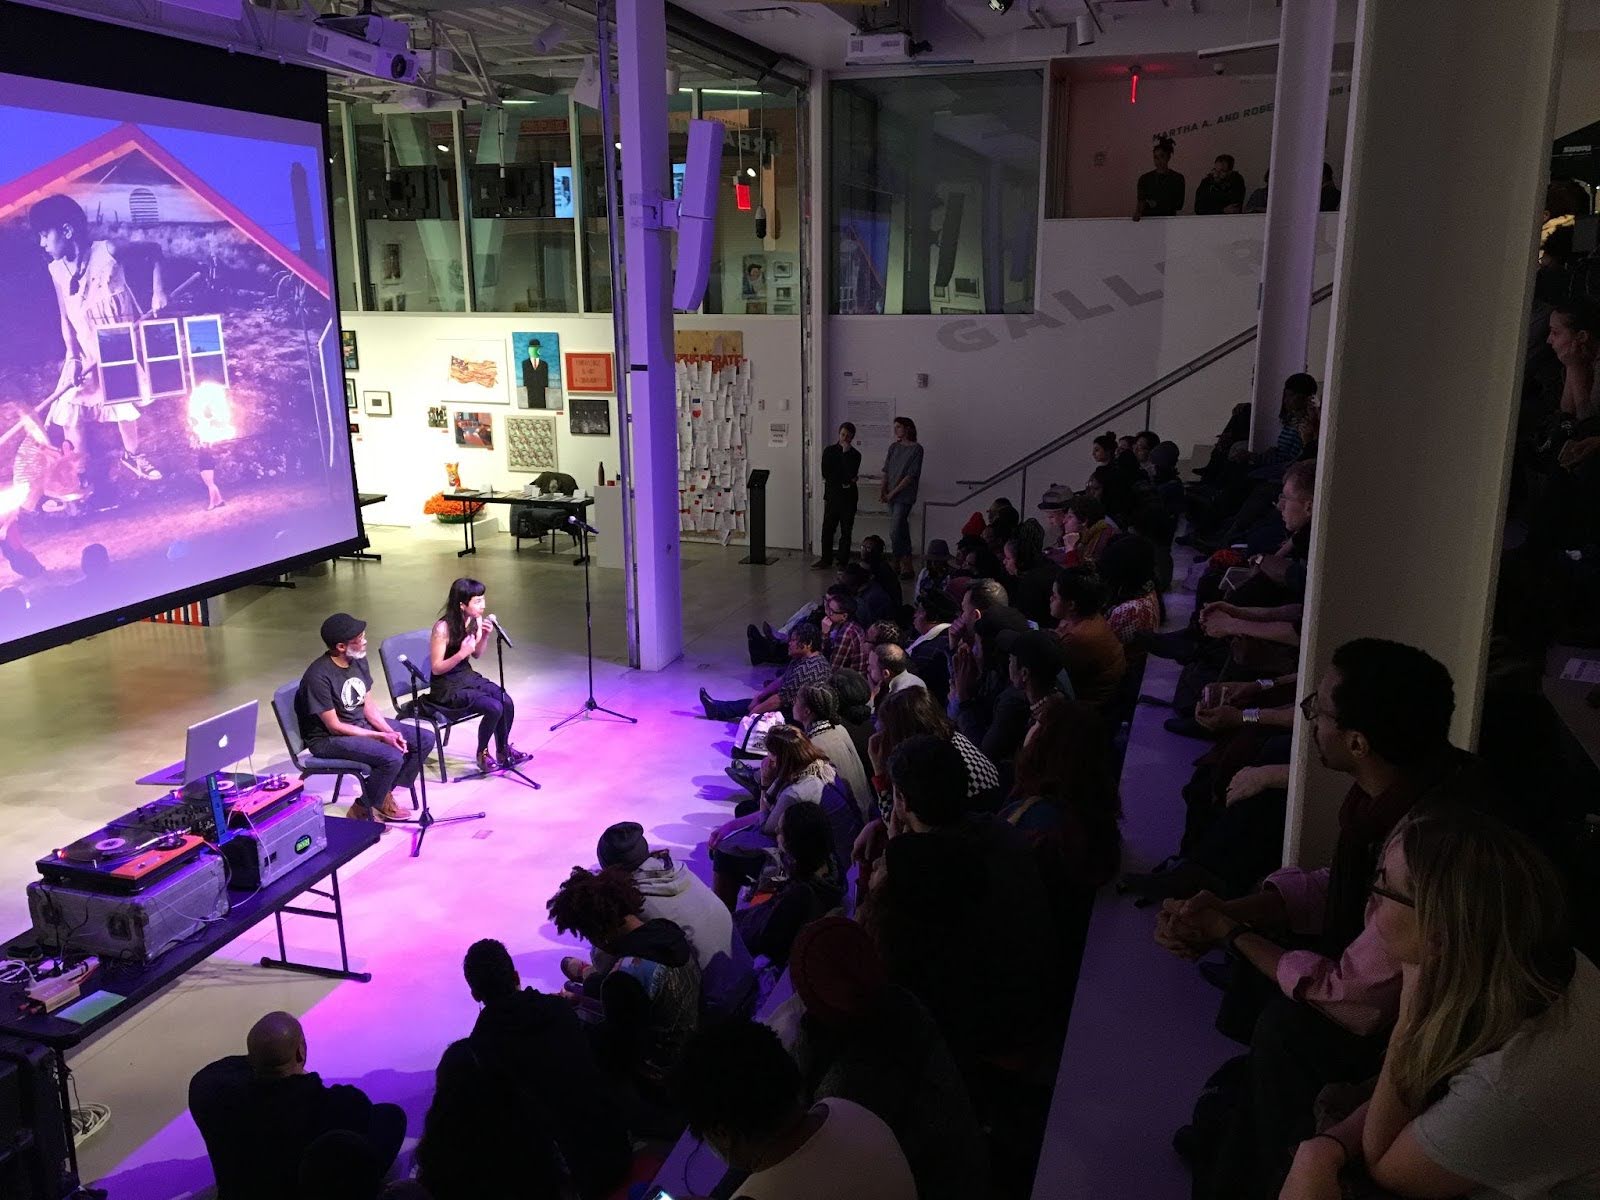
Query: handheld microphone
415, 674
499, 632
583, 525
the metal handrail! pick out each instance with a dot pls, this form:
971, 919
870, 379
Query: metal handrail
1144, 396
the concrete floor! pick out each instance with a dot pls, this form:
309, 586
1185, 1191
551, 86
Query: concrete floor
95, 715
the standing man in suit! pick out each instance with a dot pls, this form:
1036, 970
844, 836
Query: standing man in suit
535, 376
841, 464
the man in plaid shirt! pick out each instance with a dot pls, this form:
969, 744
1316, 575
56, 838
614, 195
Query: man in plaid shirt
844, 641
807, 665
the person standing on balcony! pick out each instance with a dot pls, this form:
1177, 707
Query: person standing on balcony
902, 469
1221, 191
1162, 190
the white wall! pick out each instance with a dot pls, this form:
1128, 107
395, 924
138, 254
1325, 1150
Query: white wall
1108, 140
401, 456
1122, 303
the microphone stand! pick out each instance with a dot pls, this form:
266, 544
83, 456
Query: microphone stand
591, 705
501, 641
424, 820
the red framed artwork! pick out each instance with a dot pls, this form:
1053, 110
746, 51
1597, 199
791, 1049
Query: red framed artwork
594, 373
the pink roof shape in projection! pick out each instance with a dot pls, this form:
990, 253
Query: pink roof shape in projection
113, 156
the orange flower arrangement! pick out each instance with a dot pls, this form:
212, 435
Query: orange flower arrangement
447, 511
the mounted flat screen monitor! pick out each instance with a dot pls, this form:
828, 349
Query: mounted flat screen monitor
171, 394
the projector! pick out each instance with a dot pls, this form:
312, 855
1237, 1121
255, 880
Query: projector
370, 28
358, 56
864, 49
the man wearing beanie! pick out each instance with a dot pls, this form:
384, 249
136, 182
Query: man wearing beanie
339, 718
671, 891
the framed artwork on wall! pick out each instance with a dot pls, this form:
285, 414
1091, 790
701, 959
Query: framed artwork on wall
347, 347
349, 394
536, 370
594, 373
379, 404
475, 430
531, 444
589, 418
438, 418
473, 370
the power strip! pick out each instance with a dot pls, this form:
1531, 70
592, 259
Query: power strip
56, 991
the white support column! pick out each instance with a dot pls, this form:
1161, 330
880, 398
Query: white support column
1430, 304
1289, 257
646, 303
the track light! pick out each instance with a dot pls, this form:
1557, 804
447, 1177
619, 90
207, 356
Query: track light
999, 6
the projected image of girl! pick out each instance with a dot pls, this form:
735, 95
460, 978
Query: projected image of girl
171, 334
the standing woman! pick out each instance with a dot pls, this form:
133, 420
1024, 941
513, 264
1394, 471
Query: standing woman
902, 468
463, 633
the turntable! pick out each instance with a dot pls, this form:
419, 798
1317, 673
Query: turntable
125, 856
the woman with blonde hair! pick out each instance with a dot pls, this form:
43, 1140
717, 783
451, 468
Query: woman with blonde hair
794, 771
1488, 1087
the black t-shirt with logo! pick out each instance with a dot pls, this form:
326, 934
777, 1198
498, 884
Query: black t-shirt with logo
327, 685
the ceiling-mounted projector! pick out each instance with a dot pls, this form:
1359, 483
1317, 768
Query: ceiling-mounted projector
365, 45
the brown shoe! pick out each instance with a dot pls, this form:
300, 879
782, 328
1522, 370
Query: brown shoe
364, 812
389, 810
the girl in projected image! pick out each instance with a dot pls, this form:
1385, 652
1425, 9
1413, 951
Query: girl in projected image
462, 633
91, 291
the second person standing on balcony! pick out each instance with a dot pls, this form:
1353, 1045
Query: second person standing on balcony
902, 468
1160, 191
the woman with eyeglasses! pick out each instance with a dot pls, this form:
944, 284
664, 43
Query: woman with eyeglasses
1488, 1088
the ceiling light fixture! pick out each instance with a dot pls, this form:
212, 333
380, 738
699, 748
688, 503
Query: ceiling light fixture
1000, 6
443, 147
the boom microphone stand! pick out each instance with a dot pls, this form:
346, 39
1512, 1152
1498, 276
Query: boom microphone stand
424, 820
501, 641
591, 705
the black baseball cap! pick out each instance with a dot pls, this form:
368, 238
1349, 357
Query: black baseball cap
623, 845
341, 627
1034, 649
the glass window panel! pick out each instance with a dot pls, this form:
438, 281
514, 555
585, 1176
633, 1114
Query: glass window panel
935, 192
519, 163
750, 273
344, 255
406, 180
162, 356
208, 361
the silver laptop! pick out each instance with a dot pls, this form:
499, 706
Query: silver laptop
216, 743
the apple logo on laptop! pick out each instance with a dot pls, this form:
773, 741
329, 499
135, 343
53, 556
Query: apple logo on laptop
222, 742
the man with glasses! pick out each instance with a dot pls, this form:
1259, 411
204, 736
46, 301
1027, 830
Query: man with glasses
339, 718
1380, 714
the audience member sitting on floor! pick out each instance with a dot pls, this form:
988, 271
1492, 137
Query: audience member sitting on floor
742, 1095
1487, 1088
1095, 657
866, 1040
1029, 575
872, 602
889, 671
1085, 529
974, 561
855, 708
875, 557
844, 639
1127, 566
643, 1011
956, 907
816, 710
986, 612
935, 573
1000, 521
806, 665
804, 880
912, 714
884, 633
527, 1066
1310, 964
340, 1166
930, 651
670, 890
262, 1111
987, 708
1143, 444
794, 771
1064, 797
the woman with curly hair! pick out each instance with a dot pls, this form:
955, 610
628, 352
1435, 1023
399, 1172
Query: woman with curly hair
648, 1002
